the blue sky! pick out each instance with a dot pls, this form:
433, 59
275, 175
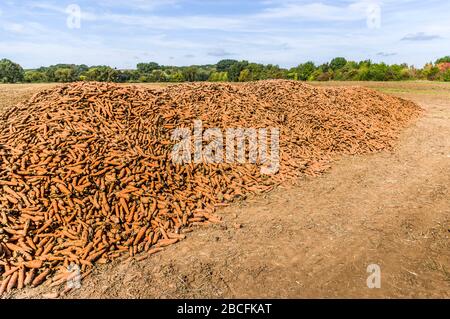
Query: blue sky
122, 33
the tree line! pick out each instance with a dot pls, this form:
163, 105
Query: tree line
338, 69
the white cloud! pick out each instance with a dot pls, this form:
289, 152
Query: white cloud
318, 11
219, 53
139, 4
420, 36
14, 27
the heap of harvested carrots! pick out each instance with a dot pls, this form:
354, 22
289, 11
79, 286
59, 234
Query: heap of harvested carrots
86, 173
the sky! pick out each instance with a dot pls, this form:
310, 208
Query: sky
122, 33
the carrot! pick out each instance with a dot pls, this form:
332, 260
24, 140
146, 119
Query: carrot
149, 253
10, 272
140, 235
10, 199
12, 282
29, 277
21, 278
33, 264
40, 278
47, 249
8, 183
4, 284
44, 227
174, 235
63, 189
93, 257
166, 242
11, 192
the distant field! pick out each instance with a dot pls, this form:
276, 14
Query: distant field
14, 93
420, 87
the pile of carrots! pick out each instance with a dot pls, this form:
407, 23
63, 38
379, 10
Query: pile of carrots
86, 174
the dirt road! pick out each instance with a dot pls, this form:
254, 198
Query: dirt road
316, 238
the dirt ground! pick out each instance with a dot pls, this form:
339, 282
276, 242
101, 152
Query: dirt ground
315, 238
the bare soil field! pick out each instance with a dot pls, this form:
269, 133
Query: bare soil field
317, 237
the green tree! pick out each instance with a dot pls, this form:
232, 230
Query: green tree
225, 65
102, 74
125, 76
316, 75
144, 79
338, 63
147, 68
363, 73
255, 72
365, 63
203, 74
157, 76
347, 73
396, 72
292, 76
190, 73
445, 59
10, 72
65, 75
324, 67
378, 72
218, 77
271, 71
446, 76
325, 76
176, 77
245, 76
93, 74
406, 74
32, 76
304, 71
236, 69
430, 72
79, 69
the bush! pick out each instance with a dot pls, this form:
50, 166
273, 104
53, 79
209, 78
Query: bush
406, 74
245, 76
176, 77
218, 77
143, 79
379, 72
65, 75
325, 76
430, 72
157, 76
35, 77
304, 71
363, 73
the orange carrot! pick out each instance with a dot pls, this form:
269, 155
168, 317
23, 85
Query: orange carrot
40, 278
